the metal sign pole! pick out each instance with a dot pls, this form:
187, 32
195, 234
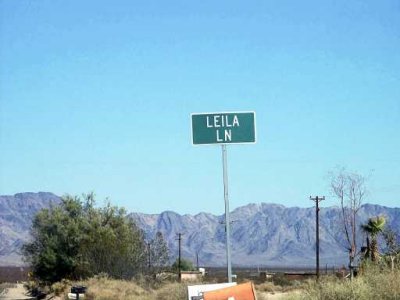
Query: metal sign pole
224, 128
227, 219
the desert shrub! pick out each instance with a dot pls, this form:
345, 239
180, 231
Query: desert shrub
60, 287
146, 282
172, 291
154, 282
384, 283
111, 289
336, 290
374, 283
281, 279
32, 286
102, 288
268, 287
186, 265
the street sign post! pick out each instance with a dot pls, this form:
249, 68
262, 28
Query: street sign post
222, 129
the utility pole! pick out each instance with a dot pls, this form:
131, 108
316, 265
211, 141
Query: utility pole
179, 254
317, 200
149, 254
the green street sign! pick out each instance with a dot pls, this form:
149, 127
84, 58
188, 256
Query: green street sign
223, 128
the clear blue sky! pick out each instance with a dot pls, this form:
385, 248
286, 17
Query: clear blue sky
97, 96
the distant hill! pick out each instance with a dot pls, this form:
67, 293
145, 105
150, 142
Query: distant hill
262, 234
16, 213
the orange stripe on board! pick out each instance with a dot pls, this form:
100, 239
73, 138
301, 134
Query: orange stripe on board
244, 291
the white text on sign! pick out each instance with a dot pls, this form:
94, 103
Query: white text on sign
225, 122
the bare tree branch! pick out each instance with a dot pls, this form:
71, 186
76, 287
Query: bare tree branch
350, 190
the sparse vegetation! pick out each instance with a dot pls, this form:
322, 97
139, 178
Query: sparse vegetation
281, 280
268, 287
392, 254
104, 250
104, 288
376, 282
36, 289
61, 287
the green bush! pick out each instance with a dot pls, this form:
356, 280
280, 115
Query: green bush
76, 239
186, 265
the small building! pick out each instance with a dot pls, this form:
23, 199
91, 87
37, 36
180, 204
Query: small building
264, 275
191, 275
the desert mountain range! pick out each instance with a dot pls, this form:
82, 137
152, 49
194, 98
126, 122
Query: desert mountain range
263, 234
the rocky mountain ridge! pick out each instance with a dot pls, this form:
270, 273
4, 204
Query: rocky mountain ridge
16, 214
263, 234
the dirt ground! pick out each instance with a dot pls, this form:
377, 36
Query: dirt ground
18, 292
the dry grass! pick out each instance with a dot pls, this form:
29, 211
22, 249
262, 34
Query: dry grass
374, 283
107, 289
172, 291
104, 288
270, 290
268, 287
61, 287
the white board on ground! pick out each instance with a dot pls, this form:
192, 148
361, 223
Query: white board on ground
73, 296
198, 290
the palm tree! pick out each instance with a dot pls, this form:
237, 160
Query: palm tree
374, 226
